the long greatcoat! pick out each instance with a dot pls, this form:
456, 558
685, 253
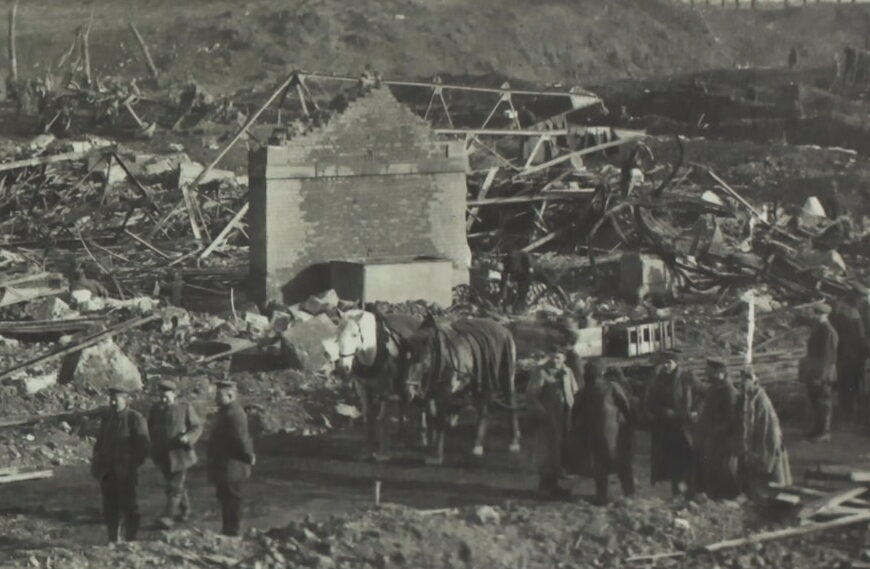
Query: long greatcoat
603, 419
166, 423
719, 441
230, 448
668, 404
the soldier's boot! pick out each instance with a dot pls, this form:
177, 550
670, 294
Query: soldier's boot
626, 479
131, 528
601, 497
113, 528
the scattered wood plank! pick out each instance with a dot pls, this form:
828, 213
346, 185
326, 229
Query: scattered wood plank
146, 244
862, 476
136, 183
14, 327
823, 503
813, 493
22, 476
84, 343
225, 232
152, 69
653, 557
86, 50
240, 346
54, 158
788, 532
564, 195
22, 420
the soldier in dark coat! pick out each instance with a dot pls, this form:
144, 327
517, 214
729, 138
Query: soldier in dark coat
551, 394
121, 448
230, 456
718, 433
174, 427
817, 370
846, 319
516, 270
604, 419
668, 406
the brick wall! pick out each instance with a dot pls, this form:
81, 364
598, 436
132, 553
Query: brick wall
374, 182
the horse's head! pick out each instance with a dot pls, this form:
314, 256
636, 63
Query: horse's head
357, 337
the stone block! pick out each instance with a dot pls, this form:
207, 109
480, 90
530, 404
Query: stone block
101, 366
303, 344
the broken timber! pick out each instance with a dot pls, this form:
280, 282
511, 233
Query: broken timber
66, 156
225, 232
22, 476
788, 532
152, 69
575, 154
86, 342
553, 195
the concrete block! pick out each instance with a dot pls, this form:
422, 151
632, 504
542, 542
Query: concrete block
34, 384
302, 345
280, 321
100, 366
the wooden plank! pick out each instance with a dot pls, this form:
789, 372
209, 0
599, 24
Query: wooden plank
854, 476
833, 499
225, 232
788, 532
813, 493
527, 199
146, 244
575, 154
84, 343
54, 158
46, 326
484, 189
22, 420
22, 476
13, 55
152, 69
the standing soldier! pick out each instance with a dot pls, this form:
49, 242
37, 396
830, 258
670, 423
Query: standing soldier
668, 405
604, 420
516, 270
719, 431
818, 371
230, 455
851, 349
174, 427
121, 448
551, 394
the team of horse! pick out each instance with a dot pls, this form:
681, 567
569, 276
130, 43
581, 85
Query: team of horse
435, 367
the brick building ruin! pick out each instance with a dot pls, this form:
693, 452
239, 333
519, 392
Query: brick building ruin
374, 184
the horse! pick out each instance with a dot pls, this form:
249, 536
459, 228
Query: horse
449, 361
370, 350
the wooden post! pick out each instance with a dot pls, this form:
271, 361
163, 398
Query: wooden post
750, 325
13, 57
377, 492
148, 61
86, 51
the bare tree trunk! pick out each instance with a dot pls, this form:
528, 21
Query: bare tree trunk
13, 57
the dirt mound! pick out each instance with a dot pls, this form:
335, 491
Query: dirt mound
555, 535
228, 45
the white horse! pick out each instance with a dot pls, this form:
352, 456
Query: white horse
369, 350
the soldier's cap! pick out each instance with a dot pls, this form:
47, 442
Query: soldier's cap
167, 385
717, 363
225, 384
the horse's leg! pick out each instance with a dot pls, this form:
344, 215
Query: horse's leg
515, 424
482, 412
425, 427
436, 450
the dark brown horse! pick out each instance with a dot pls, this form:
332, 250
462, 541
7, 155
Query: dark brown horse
450, 362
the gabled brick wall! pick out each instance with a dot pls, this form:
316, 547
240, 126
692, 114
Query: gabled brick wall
374, 182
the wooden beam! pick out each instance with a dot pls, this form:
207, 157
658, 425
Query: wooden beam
136, 183
86, 50
831, 500
84, 343
788, 532
484, 189
225, 232
146, 244
54, 158
855, 476
535, 198
575, 154
22, 476
152, 69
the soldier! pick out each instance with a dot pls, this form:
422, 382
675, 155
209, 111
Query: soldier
846, 319
551, 394
818, 371
121, 448
230, 455
604, 419
517, 269
718, 429
668, 406
174, 427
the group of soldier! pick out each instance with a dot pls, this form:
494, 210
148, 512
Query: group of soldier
836, 355
704, 447
126, 439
